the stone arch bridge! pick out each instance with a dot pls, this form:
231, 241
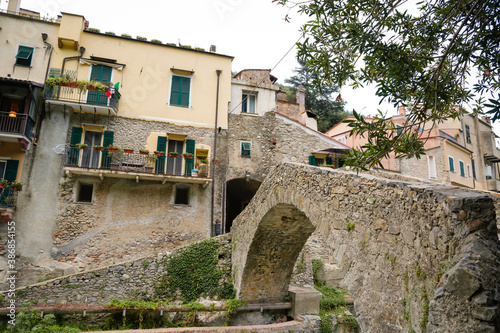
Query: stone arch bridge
413, 255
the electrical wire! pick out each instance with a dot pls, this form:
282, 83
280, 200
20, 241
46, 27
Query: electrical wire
290, 49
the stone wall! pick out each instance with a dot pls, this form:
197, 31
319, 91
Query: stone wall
290, 109
277, 141
413, 255
132, 280
419, 167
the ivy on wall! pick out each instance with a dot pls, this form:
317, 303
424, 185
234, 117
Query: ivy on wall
194, 273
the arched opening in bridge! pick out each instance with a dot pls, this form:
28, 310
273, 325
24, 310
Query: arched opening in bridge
273, 251
239, 192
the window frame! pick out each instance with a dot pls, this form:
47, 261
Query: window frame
79, 187
190, 77
249, 150
467, 134
432, 167
461, 166
28, 59
245, 102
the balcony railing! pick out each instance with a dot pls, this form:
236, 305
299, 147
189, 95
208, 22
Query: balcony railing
92, 97
16, 123
8, 197
91, 158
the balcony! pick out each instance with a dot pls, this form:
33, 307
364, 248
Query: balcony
16, 126
88, 99
131, 165
8, 197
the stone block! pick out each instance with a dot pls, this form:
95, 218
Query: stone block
305, 300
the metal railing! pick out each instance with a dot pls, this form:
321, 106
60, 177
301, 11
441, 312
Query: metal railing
126, 161
92, 97
16, 123
8, 197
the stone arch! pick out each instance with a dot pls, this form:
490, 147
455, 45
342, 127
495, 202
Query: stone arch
430, 251
280, 237
239, 192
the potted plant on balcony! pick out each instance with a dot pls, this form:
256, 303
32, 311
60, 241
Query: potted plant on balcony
128, 150
159, 153
187, 156
99, 148
17, 186
4, 183
81, 146
173, 154
143, 151
112, 149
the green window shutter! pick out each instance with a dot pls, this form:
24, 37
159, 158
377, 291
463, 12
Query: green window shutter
106, 73
246, 149
179, 93
11, 170
24, 52
161, 145
190, 144
462, 169
312, 160
452, 166
55, 72
329, 161
73, 153
107, 140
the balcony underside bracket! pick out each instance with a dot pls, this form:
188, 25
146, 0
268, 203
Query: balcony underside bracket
205, 184
136, 179
164, 180
69, 174
101, 176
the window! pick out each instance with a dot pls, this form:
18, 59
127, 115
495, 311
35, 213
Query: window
432, 167
462, 168
180, 90
452, 165
246, 149
24, 56
399, 129
181, 195
468, 171
85, 192
488, 171
248, 102
467, 134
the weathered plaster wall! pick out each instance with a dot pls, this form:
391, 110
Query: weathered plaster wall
412, 254
132, 280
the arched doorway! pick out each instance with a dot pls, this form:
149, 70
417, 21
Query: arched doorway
239, 192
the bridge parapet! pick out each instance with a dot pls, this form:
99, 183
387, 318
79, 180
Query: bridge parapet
412, 254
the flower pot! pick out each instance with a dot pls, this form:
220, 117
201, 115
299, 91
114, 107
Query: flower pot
143, 153
99, 149
128, 151
81, 147
91, 88
113, 150
173, 155
188, 157
159, 153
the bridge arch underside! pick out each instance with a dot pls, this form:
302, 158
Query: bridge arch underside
280, 237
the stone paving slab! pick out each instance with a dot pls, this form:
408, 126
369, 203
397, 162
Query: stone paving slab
281, 327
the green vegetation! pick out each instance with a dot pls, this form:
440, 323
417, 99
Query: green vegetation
156, 41
194, 273
93, 30
332, 303
30, 321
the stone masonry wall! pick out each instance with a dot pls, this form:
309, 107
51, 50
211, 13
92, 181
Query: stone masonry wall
129, 219
413, 255
275, 142
419, 167
132, 280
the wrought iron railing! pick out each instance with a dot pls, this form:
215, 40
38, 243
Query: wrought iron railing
16, 123
122, 160
93, 97
8, 197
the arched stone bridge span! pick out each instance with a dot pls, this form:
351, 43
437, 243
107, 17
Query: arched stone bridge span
413, 255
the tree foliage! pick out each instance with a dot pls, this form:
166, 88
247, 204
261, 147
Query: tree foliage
319, 97
420, 55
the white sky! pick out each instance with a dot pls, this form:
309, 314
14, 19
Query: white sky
253, 32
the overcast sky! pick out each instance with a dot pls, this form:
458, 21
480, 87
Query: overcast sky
253, 32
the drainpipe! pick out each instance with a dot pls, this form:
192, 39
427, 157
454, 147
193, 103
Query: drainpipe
44, 37
215, 154
82, 50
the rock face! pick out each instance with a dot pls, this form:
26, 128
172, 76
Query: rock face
413, 255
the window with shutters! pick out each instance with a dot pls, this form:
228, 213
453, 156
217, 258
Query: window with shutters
180, 90
462, 168
467, 134
24, 56
246, 148
451, 163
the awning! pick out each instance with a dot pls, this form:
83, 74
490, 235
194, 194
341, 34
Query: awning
96, 62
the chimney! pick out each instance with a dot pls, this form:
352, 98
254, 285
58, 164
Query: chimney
213, 48
301, 99
14, 6
402, 110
